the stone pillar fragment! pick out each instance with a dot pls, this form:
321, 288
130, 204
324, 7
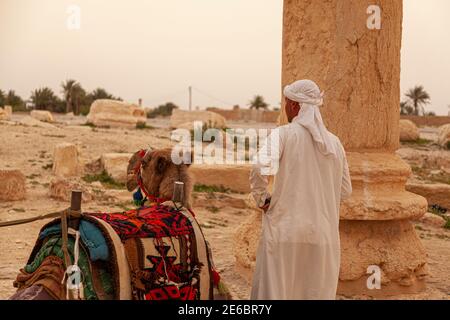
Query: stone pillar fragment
66, 162
12, 185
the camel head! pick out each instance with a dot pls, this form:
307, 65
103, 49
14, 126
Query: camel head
159, 174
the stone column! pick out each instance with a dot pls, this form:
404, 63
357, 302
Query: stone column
359, 70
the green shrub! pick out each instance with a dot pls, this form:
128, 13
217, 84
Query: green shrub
213, 209
210, 189
84, 110
422, 142
164, 110
105, 179
447, 225
143, 126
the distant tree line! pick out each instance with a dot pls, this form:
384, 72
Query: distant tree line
77, 100
74, 98
10, 98
164, 110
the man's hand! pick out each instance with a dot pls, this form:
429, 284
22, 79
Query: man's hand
266, 206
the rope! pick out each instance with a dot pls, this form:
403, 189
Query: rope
71, 213
64, 215
65, 239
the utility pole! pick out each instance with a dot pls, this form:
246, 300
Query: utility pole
190, 98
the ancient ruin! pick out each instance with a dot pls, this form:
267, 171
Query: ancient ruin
408, 131
29, 121
5, 113
444, 136
112, 113
42, 115
13, 185
115, 165
66, 162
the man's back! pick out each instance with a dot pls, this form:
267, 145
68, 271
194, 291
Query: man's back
310, 182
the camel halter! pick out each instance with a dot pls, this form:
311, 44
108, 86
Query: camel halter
138, 172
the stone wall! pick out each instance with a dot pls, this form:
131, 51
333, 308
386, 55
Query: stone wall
428, 121
248, 115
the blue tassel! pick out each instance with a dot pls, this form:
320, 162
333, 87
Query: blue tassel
138, 198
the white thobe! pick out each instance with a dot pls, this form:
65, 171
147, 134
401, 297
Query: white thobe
298, 256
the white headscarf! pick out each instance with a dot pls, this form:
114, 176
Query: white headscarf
307, 93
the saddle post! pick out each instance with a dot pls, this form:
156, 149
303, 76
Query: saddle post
75, 206
178, 194
71, 218
68, 222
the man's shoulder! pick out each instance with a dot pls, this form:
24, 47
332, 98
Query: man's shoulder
282, 129
292, 127
337, 142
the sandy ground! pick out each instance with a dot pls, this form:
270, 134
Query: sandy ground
30, 149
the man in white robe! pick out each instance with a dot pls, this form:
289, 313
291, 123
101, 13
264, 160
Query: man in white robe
298, 256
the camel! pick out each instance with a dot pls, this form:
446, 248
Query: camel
159, 174
156, 252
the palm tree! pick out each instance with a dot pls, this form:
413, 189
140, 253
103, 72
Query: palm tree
405, 108
67, 90
44, 99
78, 98
74, 95
419, 98
258, 103
101, 93
13, 100
97, 94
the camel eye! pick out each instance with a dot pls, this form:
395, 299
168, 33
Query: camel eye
161, 165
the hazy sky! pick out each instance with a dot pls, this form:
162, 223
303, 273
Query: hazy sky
228, 50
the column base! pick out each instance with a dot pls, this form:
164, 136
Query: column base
393, 246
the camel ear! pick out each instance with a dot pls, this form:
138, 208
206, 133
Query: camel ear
134, 161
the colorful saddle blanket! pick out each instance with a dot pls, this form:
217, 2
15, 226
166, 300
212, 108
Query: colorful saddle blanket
166, 251
157, 221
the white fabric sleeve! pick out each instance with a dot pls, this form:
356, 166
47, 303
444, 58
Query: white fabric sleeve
346, 189
266, 164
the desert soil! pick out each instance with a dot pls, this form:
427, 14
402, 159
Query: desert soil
30, 149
